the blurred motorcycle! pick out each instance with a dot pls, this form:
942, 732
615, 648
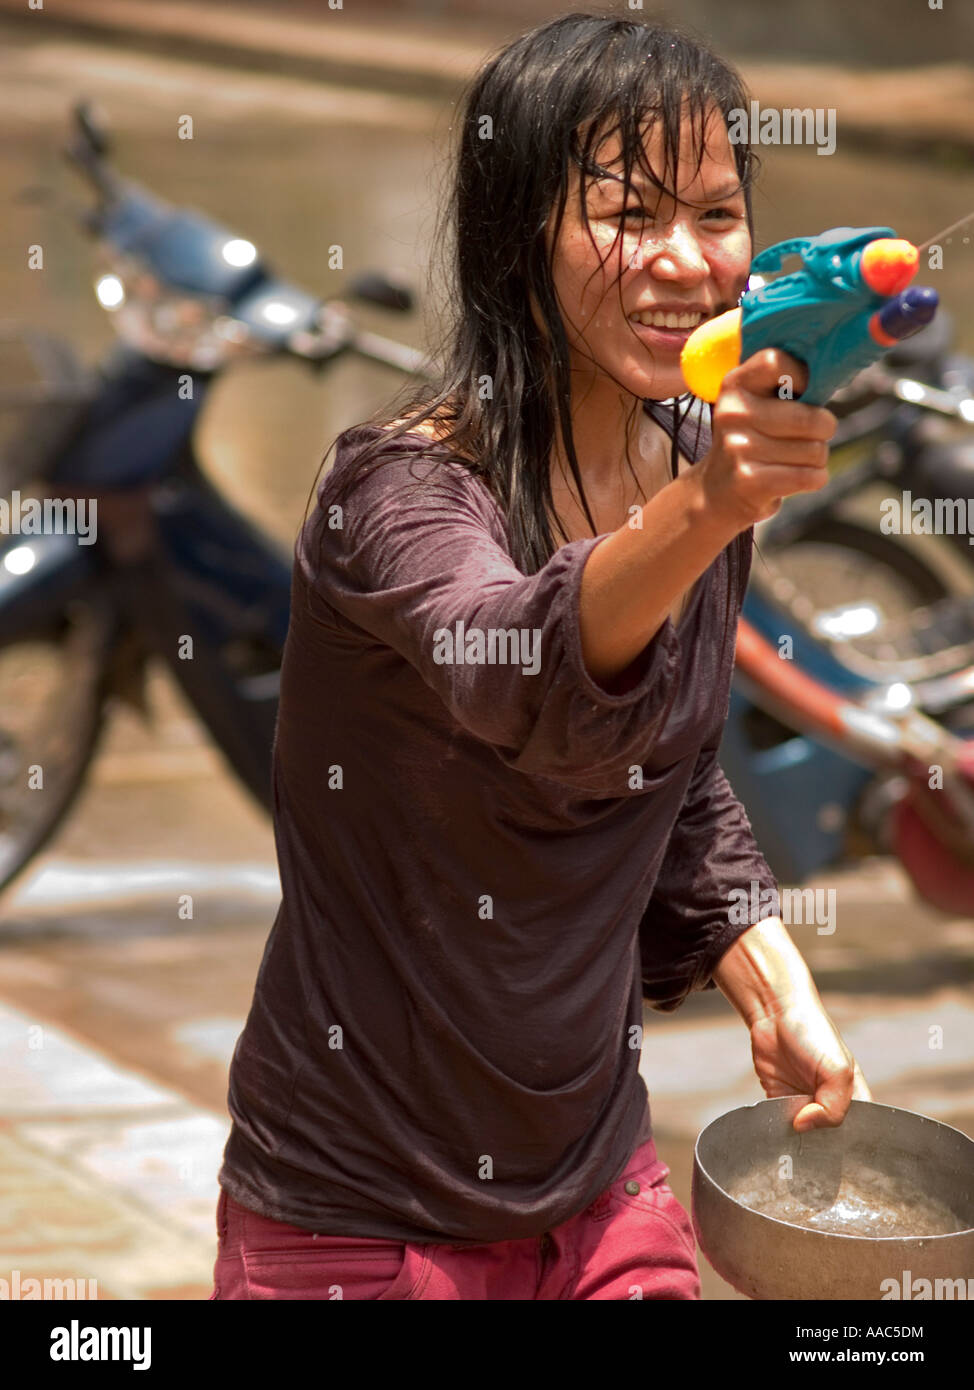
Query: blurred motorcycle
175, 561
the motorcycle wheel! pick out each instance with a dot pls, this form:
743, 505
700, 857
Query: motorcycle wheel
832, 561
51, 717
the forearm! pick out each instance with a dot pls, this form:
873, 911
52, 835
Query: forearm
634, 576
763, 969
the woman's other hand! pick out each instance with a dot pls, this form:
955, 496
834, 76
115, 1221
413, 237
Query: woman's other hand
798, 1051
795, 1045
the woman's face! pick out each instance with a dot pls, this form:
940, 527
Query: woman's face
659, 265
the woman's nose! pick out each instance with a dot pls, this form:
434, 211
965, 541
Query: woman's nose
676, 256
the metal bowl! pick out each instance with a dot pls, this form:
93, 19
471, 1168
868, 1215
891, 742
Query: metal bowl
888, 1195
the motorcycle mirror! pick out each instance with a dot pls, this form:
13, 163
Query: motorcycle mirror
375, 288
93, 132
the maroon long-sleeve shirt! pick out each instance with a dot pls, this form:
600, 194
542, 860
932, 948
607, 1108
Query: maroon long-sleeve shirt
486, 864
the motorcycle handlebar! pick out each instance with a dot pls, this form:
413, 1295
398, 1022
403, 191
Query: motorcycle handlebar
336, 333
887, 392
389, 353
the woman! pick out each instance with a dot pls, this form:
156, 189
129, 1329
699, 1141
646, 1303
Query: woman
500, 820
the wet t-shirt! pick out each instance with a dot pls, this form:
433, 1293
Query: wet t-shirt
487, 862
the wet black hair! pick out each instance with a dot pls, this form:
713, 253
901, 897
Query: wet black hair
546, 101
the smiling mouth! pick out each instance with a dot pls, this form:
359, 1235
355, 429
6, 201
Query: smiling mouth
660, 319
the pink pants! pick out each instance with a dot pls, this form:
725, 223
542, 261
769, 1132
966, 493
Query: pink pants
634, 1241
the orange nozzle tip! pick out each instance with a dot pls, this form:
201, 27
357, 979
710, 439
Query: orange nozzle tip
889, 264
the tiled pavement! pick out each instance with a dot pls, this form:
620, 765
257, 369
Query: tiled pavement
104, 1175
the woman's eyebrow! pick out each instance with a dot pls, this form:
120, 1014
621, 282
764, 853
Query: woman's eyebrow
637, 186
727, 190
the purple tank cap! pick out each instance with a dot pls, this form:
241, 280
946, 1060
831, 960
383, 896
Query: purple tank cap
908, 312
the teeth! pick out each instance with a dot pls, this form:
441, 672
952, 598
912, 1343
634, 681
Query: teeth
657, 319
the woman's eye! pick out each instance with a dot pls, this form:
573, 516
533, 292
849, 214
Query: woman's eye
725, 214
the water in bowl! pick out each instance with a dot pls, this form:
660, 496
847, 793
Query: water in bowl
866, 1203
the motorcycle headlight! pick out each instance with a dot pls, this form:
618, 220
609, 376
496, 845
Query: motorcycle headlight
191, 330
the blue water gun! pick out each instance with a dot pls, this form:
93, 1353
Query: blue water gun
840, 312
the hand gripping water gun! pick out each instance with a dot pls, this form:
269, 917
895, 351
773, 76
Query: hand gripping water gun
837, 314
